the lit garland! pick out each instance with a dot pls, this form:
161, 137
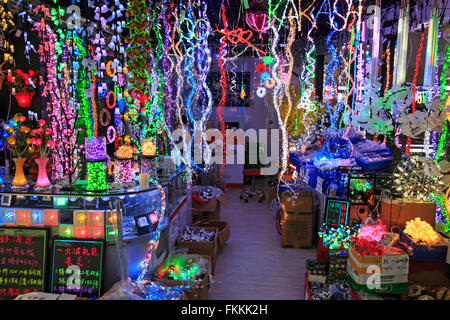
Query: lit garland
443, 91
416, 73
155, 237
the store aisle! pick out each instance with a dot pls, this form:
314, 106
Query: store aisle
253, 265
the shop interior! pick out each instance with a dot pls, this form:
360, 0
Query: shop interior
224, 150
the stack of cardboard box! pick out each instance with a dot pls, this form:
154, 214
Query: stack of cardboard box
297, 220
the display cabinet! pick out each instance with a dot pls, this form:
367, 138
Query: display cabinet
125, 219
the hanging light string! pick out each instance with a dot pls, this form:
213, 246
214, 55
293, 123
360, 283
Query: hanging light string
414, 85
443, 91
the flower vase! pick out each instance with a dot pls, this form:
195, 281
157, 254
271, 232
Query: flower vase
42, 180
19, 176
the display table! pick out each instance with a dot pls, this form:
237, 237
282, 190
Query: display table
85, 215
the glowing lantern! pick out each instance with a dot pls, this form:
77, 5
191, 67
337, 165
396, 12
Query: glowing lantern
148, 147
258, 21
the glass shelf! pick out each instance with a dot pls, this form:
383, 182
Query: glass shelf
79, 190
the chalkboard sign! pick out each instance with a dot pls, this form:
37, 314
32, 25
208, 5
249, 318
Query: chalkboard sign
77, 267
337, 212
23, 257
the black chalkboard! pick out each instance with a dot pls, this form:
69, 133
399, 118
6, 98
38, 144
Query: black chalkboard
77, 267
23, 261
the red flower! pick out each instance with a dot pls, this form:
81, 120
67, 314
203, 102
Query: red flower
22, 118
41, 122
38, 142
51, 144
48, 131
31, 73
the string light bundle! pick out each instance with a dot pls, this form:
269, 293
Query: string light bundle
338, 236
417, 178
421, 232
372, 233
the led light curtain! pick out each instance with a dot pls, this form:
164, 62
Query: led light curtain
430, 62
402, 44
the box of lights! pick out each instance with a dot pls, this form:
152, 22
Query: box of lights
392, 267
296, 229
190, 271
207, 211
296, 201
201, 241
223, 231
395, 213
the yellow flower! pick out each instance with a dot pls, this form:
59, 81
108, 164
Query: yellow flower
11, 141
25, 129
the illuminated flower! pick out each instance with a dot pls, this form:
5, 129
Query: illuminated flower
48, 131
22, 118
11, 141
25, 129
51, 144
41, 122
38, 142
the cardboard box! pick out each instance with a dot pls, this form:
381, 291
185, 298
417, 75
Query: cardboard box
203, 248
223, 231
394, 270
208, 211
389, 264
198, 215
401, 212
211, 205
297, 230
297, 201
200, 288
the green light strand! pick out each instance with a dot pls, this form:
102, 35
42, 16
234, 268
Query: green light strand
443, 81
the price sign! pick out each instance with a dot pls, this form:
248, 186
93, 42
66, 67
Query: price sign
23, 257
77, 267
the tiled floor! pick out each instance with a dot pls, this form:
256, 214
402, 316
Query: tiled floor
253, 265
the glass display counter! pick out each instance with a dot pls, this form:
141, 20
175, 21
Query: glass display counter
79, 214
